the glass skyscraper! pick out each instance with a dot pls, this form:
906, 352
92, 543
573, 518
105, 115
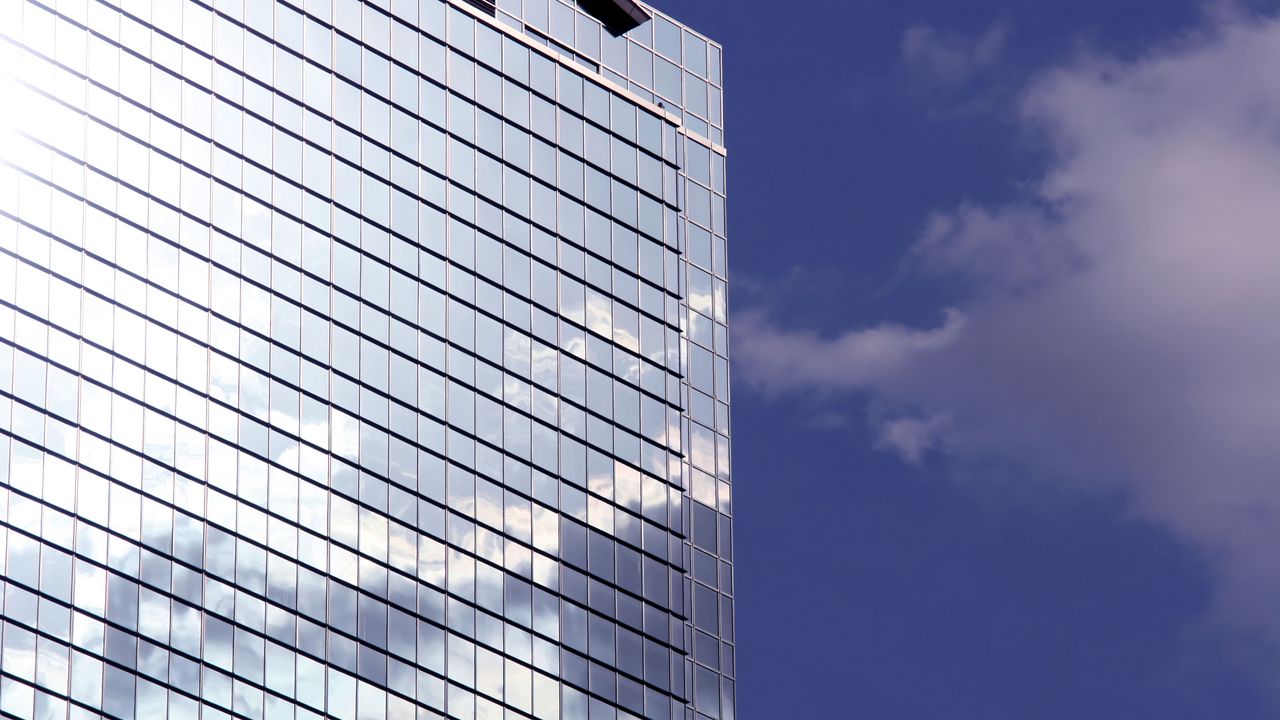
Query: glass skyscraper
362, 360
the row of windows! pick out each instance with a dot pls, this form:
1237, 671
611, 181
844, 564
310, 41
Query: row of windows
695, 355
509, 511
228, 210
282, 141
153, 429
291, 684
278, 574
350, 629
98, 410
254, 566
428, 386
275, 391
465, 493
490, 256
390, 76
236, 173
198, 31
151, 391
391, 37
474, 497
475, 556
194, 24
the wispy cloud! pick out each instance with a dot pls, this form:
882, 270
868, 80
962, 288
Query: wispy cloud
949, 60
912, 436
1123, 323
776, 359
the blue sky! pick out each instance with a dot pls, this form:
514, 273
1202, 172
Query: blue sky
1004, 278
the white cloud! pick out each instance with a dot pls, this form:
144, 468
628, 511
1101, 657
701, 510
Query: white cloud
777, 360
911, 437
1123, 327
948, 59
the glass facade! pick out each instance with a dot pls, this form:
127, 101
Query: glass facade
362, 360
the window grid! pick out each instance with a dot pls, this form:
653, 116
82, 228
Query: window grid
692, 544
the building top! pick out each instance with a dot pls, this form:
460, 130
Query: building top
633, 45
